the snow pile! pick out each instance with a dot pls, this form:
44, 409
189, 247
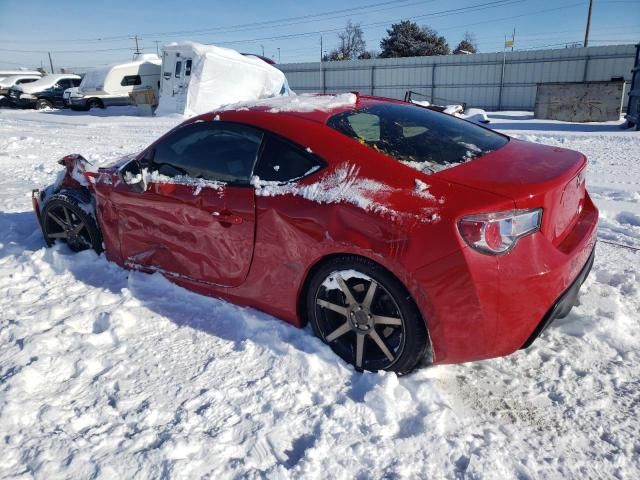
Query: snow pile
455, 110
476, 115
219, 76
306, 102
107, 373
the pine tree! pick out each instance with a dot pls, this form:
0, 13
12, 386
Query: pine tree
407, 39
467, 45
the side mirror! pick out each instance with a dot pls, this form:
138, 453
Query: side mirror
131, 174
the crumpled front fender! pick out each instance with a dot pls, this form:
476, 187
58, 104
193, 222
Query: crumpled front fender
78, 173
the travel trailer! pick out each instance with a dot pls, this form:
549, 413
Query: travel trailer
198, 78
111, 85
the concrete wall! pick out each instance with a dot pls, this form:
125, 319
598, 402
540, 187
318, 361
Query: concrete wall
478, 80
579, 102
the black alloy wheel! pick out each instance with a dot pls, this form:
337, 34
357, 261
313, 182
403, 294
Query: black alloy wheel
366, 316
64, 219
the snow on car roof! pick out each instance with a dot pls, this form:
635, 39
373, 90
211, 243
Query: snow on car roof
306, 102
47, 81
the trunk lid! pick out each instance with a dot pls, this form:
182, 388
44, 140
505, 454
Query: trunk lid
533, 176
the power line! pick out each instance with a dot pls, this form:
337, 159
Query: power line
359, 9
443, 13
453, 11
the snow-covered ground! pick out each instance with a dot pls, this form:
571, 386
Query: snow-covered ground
106, 373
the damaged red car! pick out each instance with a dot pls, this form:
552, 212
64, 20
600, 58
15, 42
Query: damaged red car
401, 234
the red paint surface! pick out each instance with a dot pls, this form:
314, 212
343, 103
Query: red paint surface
258, 251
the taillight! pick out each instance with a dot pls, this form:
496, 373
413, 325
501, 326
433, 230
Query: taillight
496, 233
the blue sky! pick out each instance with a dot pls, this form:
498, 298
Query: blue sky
86, 34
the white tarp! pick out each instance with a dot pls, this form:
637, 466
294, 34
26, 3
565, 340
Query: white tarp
218, 76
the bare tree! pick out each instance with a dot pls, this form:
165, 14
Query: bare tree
351, 44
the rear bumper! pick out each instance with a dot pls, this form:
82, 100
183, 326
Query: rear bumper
481, 306
564, 304
75, 101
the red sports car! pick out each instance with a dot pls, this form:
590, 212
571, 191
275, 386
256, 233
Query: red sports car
400, 233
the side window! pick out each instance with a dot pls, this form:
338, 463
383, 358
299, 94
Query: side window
64, 83
282, 161
76, 82
178, 68
223, 152
187, 68
366, 126
25, 80
130, 80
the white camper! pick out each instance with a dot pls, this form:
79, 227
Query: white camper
111, 85
198, 78
8, 73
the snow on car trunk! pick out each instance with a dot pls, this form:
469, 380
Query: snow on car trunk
115, 374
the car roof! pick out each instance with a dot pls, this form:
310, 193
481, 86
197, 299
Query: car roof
302, 106
58, 76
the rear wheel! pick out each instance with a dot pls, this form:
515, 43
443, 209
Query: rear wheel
43, 103
366, 316
94, 103
64, 219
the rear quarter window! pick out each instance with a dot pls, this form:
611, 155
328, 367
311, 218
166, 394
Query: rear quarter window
421, 138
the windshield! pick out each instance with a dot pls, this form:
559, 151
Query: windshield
419, 137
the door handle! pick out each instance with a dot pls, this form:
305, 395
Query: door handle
227, 217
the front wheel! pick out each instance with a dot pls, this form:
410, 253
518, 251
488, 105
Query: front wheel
366, 316
63, 218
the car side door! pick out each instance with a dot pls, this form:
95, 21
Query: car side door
55, 95
196, 217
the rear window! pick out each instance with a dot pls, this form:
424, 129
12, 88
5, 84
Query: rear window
131, 80
423, 139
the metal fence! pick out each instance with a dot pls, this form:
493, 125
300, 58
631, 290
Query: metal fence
492, 81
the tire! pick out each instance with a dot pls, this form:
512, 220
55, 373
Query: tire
43, 103
94, 103
64, 219
371, 327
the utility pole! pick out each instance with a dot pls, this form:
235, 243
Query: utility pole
278, 54
51, 62
137, 51
513, 38
586, 32
262, 50
321, 72
157, 42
